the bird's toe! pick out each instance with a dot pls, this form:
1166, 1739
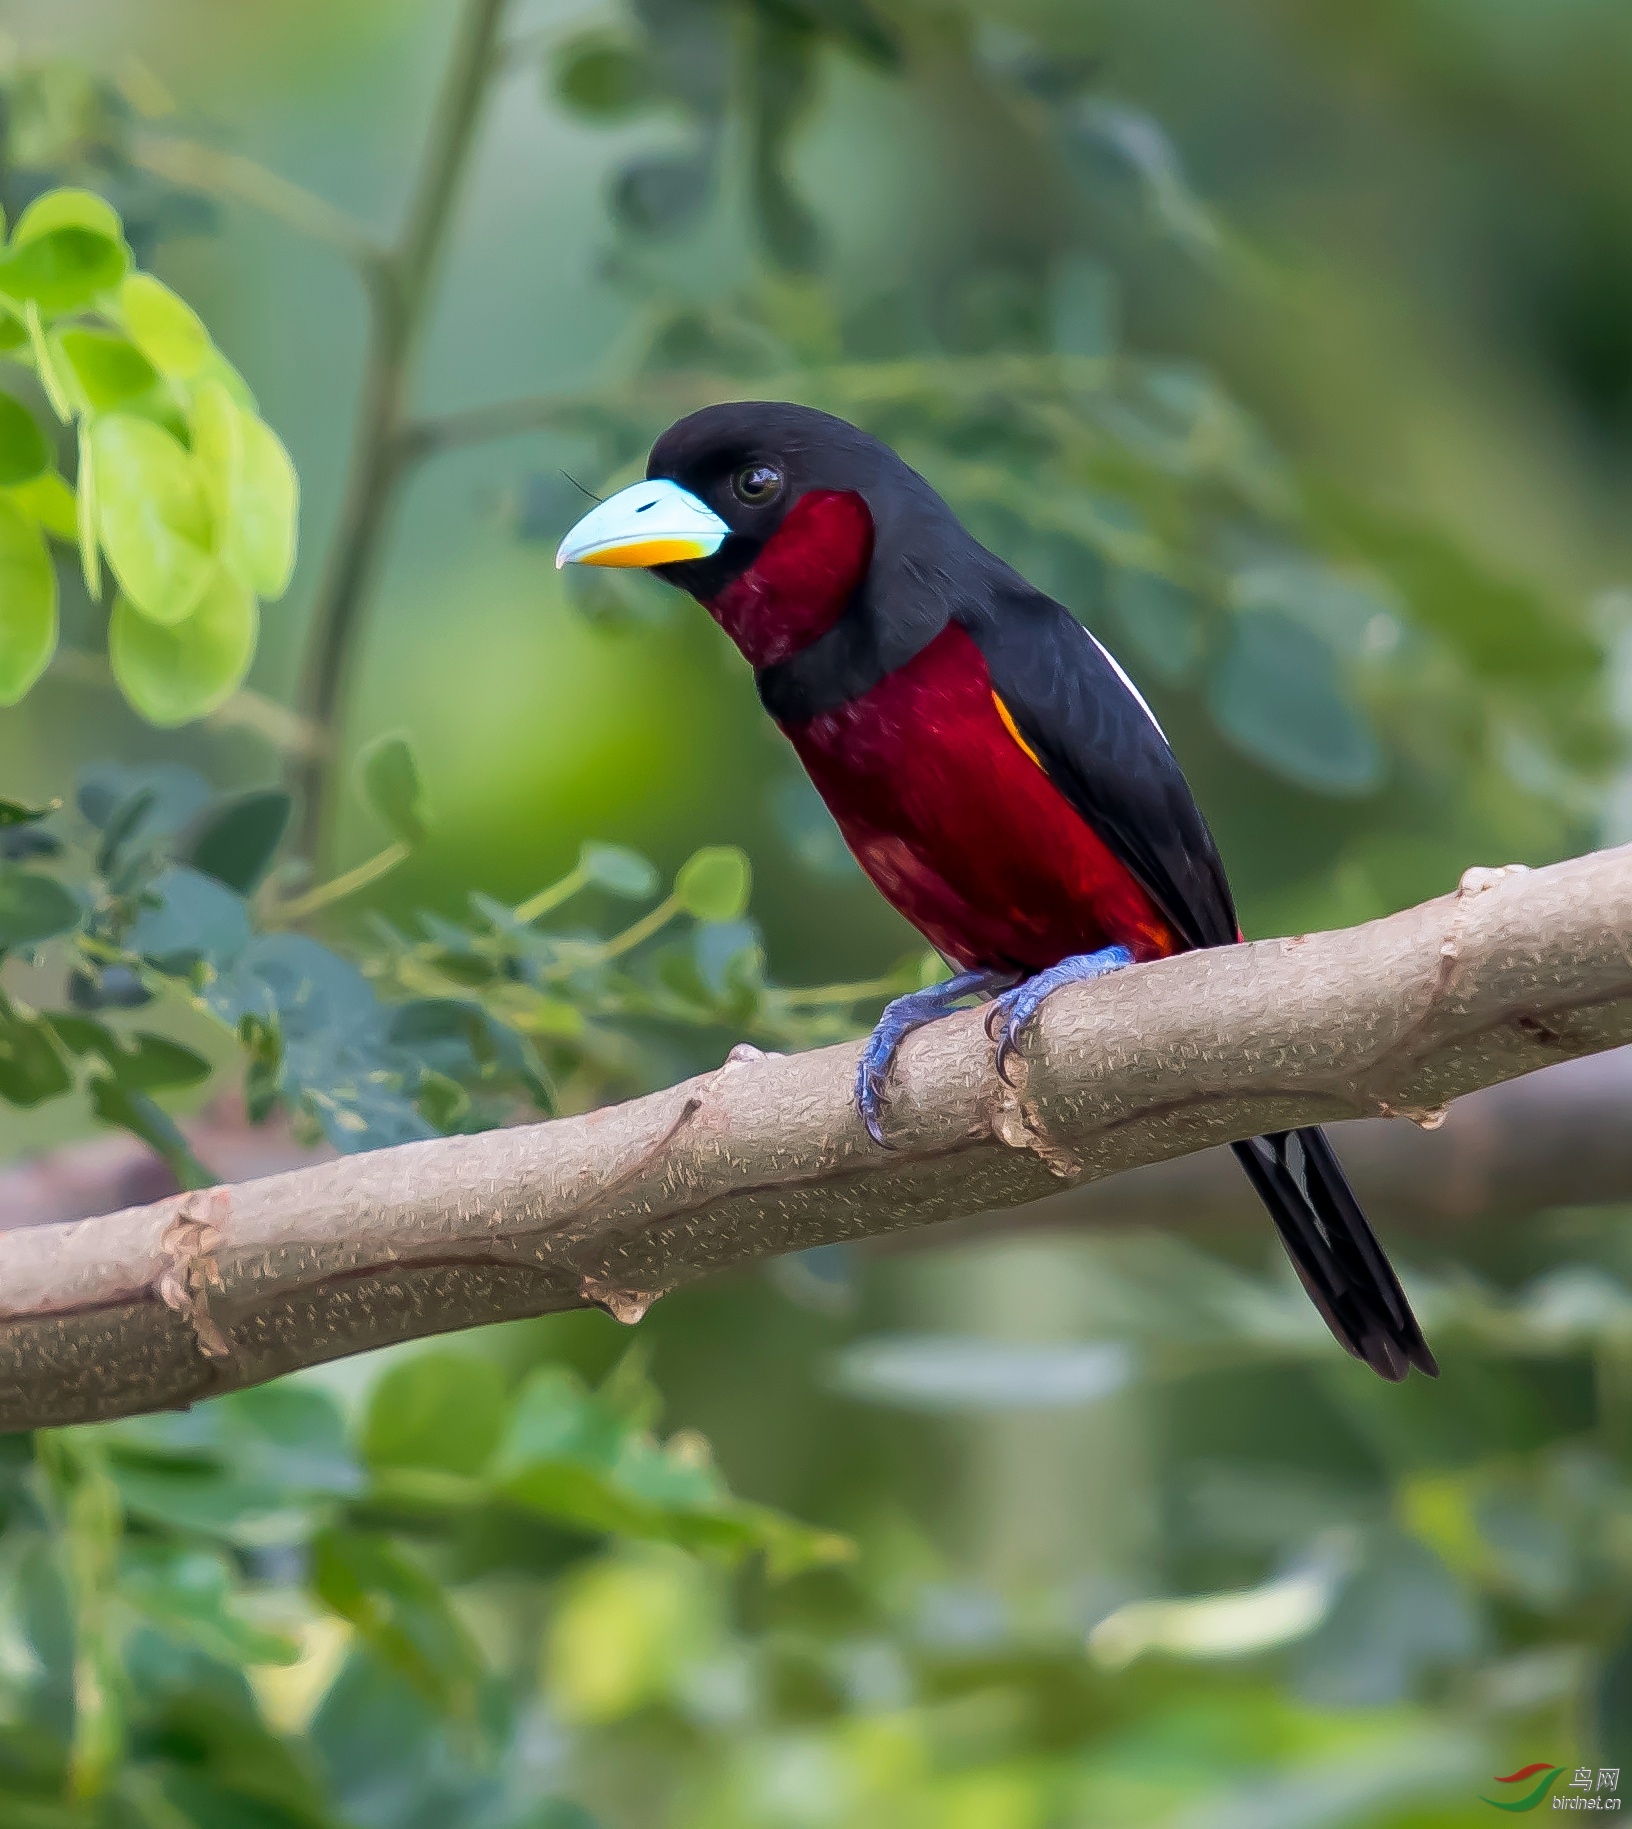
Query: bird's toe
1012, 1013
871, 1074
1010, 1018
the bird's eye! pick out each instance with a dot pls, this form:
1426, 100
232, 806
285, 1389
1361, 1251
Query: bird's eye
757, 484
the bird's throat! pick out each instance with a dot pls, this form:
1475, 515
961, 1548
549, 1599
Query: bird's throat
801, 580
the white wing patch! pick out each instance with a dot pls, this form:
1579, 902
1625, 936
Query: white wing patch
1139, 697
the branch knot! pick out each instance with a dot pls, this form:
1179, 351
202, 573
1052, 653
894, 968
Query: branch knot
189, 1244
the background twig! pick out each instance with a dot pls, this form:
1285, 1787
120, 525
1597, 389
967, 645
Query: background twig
400, 292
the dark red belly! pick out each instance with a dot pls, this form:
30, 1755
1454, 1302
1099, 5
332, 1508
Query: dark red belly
960, 828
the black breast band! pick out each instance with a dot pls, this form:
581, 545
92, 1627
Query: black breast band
842, 664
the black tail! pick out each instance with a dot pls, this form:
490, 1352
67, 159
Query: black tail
1335, 1252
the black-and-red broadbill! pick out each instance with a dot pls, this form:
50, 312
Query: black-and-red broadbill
993, 769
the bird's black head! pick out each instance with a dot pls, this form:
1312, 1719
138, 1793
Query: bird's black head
776, 517
753, 461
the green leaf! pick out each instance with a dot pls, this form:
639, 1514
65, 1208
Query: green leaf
63, 269
200, 1499
108, 368
619, 871
620, 1635
217, 445
14, 813
253, 491
163, 327
218, 368
135, 804
87, 515
660, 194
155, 522
464, 1046
438, 1409
287, 1441
154, 1063
142, 1062
330, 1025
235, 840
401, 1613
604, 76
1505, 629
127, 1109
713, 883
28, 603
188, 917
391, 784
33, 907
68, 208
48, 500
582, 1460
45, 363
190, 1592
261, 536
32, 1069
1160, 622
855, 24
24, 451
174, 674
1277, 696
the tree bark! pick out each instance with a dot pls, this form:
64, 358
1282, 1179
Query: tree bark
1558, 1137
162, 1304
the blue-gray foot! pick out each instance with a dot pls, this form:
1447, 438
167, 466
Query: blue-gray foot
899, 1020
1011, 1012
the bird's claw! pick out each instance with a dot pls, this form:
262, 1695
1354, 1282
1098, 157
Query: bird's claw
871, 1074
899, 1020
1011, 1013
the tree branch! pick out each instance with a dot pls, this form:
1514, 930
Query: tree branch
159, 1305
1560, 1137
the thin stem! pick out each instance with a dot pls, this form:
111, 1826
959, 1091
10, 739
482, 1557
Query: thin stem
137, 1113
475, 425
231, 175
284, 729
325, 895
552, 897
44, 367
863, 990
632, 936
850, 382
400, 294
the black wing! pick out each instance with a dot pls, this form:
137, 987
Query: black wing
1102, 749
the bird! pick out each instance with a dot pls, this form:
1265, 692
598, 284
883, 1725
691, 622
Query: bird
994, 771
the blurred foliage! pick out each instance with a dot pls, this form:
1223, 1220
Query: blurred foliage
65, 124
1141, 1550
255, 1613
156, 894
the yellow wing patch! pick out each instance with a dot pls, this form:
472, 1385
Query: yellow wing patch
1014, 729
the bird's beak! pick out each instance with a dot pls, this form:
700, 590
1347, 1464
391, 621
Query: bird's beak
651, 523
